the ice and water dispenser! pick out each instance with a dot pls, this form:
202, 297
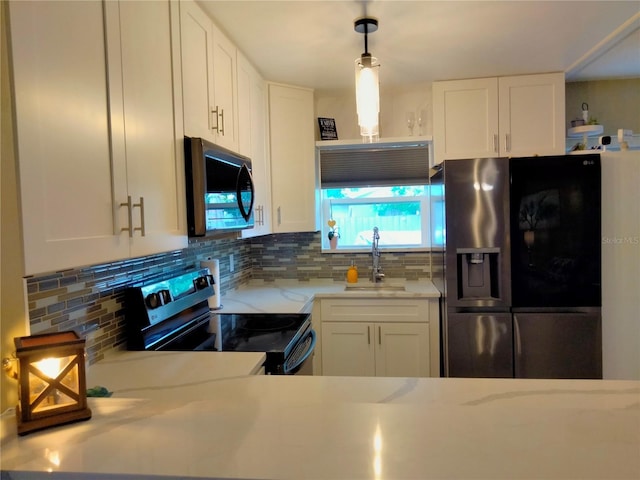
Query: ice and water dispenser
478, 273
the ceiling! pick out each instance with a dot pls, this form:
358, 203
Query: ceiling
313, 43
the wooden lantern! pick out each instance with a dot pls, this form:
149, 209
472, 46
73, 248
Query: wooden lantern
52, 386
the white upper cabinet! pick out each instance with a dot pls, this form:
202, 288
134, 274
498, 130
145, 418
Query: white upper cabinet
252, 138
224, 87
293, 172
86, 139
505, 116
196, 39
209, 78
532, 115
153, 137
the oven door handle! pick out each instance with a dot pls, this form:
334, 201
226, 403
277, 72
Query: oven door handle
291, 369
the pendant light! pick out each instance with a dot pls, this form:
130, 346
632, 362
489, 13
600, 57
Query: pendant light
367, 89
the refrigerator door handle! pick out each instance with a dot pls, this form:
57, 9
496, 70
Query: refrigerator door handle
516, 337
517, 347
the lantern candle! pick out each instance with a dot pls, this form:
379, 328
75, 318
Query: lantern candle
51, 381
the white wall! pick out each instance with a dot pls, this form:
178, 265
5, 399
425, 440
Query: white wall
13, 318
394, 105
621, 265
615, 103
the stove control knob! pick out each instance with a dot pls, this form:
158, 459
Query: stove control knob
165, 296
201, 282
153, 300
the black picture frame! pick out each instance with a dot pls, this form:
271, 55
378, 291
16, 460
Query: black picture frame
327, 128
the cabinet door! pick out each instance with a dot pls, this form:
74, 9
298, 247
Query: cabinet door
252, 137
196, 36
63, 135
224, 90
348, 349
402, 350
532, 119
154, 167
465, 119
293, 172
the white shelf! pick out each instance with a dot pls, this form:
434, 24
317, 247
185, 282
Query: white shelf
382, 142
588, 130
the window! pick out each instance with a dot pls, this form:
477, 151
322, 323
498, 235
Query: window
386, 188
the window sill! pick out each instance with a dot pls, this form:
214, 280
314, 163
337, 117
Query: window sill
383, 250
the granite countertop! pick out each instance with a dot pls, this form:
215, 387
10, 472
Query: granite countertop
291, 296
296, 427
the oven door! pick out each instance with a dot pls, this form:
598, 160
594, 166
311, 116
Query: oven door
300, 362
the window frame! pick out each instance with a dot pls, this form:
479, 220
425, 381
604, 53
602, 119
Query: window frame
425, 218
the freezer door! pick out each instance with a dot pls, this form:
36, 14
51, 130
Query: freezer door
558, 345
479, 345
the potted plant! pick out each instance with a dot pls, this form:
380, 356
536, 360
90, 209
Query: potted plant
333, 234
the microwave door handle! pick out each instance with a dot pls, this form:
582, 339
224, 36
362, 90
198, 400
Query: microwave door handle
245, 213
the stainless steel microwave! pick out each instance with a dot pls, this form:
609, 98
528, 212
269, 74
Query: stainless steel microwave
220, 190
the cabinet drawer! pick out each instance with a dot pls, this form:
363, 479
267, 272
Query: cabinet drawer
375, 310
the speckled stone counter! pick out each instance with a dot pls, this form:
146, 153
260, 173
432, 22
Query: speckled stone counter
295, 427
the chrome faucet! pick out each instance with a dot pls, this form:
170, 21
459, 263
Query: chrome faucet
376, 274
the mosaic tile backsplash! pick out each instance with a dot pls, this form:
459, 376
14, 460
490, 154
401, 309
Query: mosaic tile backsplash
90, 299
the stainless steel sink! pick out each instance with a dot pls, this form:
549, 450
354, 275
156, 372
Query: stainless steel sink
374, 287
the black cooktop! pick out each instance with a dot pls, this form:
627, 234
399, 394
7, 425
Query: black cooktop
244, 332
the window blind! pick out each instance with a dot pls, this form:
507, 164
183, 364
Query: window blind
374, 166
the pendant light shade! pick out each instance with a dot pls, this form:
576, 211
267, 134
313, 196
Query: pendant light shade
367, 84
367, 96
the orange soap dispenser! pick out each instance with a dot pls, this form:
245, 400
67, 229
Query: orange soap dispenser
352, 273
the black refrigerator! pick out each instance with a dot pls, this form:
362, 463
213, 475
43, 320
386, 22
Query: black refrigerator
521, 267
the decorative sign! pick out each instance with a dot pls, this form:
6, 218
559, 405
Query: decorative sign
327, 128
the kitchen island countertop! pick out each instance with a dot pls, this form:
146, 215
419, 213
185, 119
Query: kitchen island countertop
297, 427
142, 374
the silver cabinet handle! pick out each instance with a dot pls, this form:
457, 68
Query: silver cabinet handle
279, 217
140, 205
379, 335
507, 142
129, 216
222, 121
215, 114
368, 335
495, 143
260, 215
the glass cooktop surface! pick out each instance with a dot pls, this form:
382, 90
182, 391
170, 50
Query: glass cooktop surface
246, 332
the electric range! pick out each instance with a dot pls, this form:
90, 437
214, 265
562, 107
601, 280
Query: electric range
173, 314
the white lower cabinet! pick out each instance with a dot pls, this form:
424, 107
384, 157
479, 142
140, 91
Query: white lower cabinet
375, 349
377, 337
